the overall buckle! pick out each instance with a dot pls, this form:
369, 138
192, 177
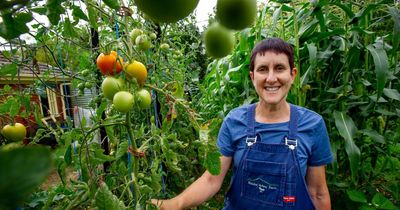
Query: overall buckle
251, 140
291, 143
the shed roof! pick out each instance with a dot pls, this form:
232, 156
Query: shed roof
31, 70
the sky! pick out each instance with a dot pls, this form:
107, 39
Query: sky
204, 8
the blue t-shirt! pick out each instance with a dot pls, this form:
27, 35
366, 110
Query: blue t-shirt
312, 137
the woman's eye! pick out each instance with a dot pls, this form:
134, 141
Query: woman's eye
280, 68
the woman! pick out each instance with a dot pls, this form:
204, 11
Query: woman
279, 150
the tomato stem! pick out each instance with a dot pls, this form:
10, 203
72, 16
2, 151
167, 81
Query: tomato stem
135, 159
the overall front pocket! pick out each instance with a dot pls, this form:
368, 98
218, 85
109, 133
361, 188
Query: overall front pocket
264, 182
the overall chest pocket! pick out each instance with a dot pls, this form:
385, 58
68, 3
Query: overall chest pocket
264, 182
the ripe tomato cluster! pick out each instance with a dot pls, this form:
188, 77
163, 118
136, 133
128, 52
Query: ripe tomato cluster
116, 88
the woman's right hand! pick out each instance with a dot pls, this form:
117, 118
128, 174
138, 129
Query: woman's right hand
169, 204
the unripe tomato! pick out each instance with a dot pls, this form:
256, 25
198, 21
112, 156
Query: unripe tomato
123, 101
108, 63
166, 11
144, 98
219, 40
153, 36
88, 85
236, 14
15, 132
85, 72
81, 86
136, 70
164, 46
143, 42
135, 33
112, 85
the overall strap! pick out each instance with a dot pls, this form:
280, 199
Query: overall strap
251, 133
291, 139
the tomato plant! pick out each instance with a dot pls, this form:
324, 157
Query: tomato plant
16, 132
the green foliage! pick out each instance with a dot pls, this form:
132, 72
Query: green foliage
104, 199
23, 169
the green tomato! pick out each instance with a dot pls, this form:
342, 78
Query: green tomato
88, 85
153, 36
144, 98
112, 85
135, 33
166, 11
85, 72
15, 132
219, 40
143, 42
81, 86
164, 46
236, 14
123, 101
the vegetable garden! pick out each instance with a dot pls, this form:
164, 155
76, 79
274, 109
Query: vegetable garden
133, 93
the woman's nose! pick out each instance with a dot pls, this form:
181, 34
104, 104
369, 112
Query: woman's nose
271, 77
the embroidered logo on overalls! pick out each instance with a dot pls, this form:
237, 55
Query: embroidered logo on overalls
262, 185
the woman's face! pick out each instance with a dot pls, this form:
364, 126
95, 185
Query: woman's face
272, 78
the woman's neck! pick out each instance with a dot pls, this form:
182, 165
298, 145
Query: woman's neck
267, 113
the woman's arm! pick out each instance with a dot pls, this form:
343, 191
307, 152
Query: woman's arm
199, 191
316, 183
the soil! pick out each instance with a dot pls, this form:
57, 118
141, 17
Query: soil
54, 179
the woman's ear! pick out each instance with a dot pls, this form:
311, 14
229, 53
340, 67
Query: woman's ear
293, 73
252, 75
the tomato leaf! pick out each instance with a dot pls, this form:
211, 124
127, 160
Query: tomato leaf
78, 13
113, 4
22, 170
69, 30
13, 27
97, 155
39, 10
105, 200
54, 11
122, 149
9, 69
92, 13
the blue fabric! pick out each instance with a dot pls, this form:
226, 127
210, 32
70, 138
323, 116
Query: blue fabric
313, 141
268, 175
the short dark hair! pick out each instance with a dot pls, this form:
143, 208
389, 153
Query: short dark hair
276, 45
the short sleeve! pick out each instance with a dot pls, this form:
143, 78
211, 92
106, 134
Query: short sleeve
224, 141
321, 149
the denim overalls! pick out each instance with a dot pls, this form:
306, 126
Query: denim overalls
268, 176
